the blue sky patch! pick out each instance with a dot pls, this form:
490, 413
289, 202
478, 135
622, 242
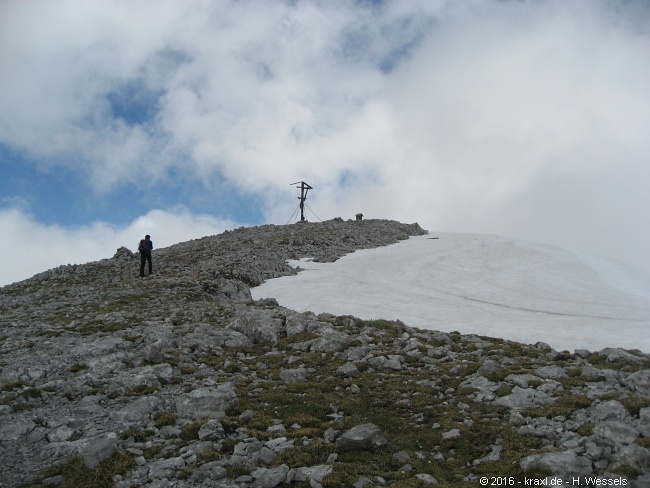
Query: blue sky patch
134, 103
63, 196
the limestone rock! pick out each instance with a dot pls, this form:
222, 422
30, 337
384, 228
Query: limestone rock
207, 402
365, 436
563, 464
640, 381
524, 398
98, 451
270, 477
291, 376
616, 432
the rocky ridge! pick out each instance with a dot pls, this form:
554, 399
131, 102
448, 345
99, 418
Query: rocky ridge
181, 379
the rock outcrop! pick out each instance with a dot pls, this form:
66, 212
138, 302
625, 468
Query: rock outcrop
181, 379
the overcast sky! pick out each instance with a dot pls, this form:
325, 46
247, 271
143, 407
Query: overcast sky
529, 119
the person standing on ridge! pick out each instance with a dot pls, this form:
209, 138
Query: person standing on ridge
145, 247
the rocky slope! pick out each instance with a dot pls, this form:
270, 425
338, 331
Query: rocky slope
181, 379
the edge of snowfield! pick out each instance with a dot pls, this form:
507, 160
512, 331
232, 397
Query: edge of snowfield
480, 284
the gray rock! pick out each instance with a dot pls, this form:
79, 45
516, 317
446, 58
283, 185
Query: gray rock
427, 478
553, 372
361, 482
644, 421
98, 451
330, 435
489, 366
279, 444
276, 429
60, 434
296, 324
140, 378
394, 362
609, 410
315, 473
614, 354
365, 436
153, 354
635, 456
402, 457
356, 353
212, 430
330, 340
269, 478
521, 380
207, 402
291, 376
208, 471
616, 432
348, 369
480, 383
563, 464
642, 481
266, 456
258, 325
140, 409
524, 398
494, 455
640, 382
450, 434
166, 468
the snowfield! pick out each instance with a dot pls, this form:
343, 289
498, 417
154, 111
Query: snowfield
480, 284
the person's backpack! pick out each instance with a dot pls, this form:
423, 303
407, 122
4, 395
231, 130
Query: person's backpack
142, 247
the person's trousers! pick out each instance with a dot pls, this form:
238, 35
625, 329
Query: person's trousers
145, 257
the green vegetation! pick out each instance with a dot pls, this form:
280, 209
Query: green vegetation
137, 434
564, 406
75, 368
164, 418
76, 475
190, 432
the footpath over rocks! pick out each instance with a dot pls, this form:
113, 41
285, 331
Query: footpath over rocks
181, 379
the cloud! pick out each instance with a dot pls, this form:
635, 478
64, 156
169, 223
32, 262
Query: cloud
30, 247
520, 118
527, 122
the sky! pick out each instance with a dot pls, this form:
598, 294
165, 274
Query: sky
526, 119
480, 284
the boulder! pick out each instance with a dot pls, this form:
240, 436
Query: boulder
609, 410
639, 381
269, 478
291, 376
208, 471
98, 451
330, 340
616, 432
635, 456
306, 474
12, 431
525, 398
212, 430
207, 402
258, 325
614, 354
365, 436
427, 478
564, 464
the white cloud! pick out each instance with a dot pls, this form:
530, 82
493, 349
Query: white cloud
485, 116
30, 247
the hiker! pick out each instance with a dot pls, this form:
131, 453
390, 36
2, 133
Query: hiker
145, 248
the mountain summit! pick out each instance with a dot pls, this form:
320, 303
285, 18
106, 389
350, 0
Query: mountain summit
181, 379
